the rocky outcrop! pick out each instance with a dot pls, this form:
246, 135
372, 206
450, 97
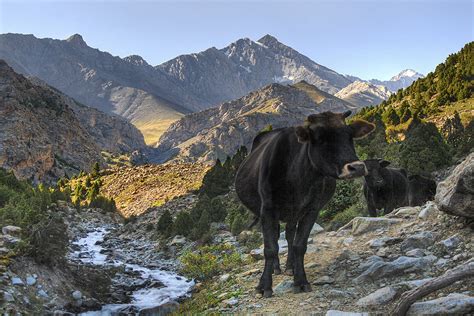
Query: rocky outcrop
362, 93
220, 131
45, 135
455, 195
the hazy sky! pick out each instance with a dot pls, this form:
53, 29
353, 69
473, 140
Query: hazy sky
369, 39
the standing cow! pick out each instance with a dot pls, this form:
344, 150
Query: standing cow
420, 190
289, 175
384, 188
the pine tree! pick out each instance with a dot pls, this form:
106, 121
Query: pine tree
165, 224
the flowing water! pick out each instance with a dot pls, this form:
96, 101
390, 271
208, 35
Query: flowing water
174, 286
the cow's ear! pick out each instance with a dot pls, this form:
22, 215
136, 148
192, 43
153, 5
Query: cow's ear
384, 163
303, 134
361, 128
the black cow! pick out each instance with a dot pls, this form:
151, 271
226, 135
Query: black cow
384, 188
289, 175
420, 190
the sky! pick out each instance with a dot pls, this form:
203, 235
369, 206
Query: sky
368, 39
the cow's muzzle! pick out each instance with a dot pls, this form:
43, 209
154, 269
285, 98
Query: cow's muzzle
353, 170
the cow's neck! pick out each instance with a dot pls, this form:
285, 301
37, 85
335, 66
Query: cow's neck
305, 167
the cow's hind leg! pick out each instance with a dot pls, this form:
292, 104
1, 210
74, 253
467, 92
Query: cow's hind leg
269, 220
290, 237
305, 225
276, 262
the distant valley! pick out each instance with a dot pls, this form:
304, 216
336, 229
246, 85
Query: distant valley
153, 97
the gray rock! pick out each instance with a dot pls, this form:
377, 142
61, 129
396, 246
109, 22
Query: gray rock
324, 280
11, 230
455, 195
451, 242
399, 266
257, 254
17, 281
8, 297
42, 293
230, 302
453, 304
406, 211
420, 240
283, 287
178, 241
429, 210
77, 295
224, 277
379, 297
417, 252
316, 229
370, 261
361, 225
441, 262
333, 312
415, 283
30, 280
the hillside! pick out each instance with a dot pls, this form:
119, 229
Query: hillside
448, 89
45, 135
218, 132
136, 189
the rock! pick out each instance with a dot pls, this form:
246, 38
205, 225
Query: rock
3, 251
362, 225
30, 280
370, 261
417, 252
17, 281
347, 241
178, 240
451, 242
406, 211
283, 287
230, 302
324, 280
380, 269
77, 295
165, 309
10, 241
428, 211
379, 297
414, 283
42, 293
8, 297
11, 230
420, 240
441, 262
455, 195
453, 304
333, 312
224, 277
245, 235
316, 229
257, 254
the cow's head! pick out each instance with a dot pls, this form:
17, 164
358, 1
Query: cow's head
330, 144
374, 167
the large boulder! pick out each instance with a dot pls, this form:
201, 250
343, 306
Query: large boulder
453, 304
361, 225
455, 195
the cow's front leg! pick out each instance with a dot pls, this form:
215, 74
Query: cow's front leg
269, 221
305, 225
290, 238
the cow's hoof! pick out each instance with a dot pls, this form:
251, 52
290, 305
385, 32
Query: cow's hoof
277, 271
259, 290
267, 293
302, 288
289, 271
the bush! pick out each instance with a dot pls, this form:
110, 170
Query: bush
238, 225
182, 224
165, 224
209, 261
347, 194
103, 203
346, 216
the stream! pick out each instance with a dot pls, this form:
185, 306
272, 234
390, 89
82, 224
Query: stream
155, 286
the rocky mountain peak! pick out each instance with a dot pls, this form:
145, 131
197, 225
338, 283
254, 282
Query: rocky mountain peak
407, 73
136, 60
268, 40
76, 39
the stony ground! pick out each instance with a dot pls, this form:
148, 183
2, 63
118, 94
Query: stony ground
390, 255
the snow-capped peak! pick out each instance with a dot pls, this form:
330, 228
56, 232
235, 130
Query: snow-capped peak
407, 73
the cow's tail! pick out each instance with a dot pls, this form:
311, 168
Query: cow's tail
255, 222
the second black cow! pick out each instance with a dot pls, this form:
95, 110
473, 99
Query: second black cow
384, 188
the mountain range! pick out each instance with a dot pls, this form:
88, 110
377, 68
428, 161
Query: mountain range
45, 134
153, 97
